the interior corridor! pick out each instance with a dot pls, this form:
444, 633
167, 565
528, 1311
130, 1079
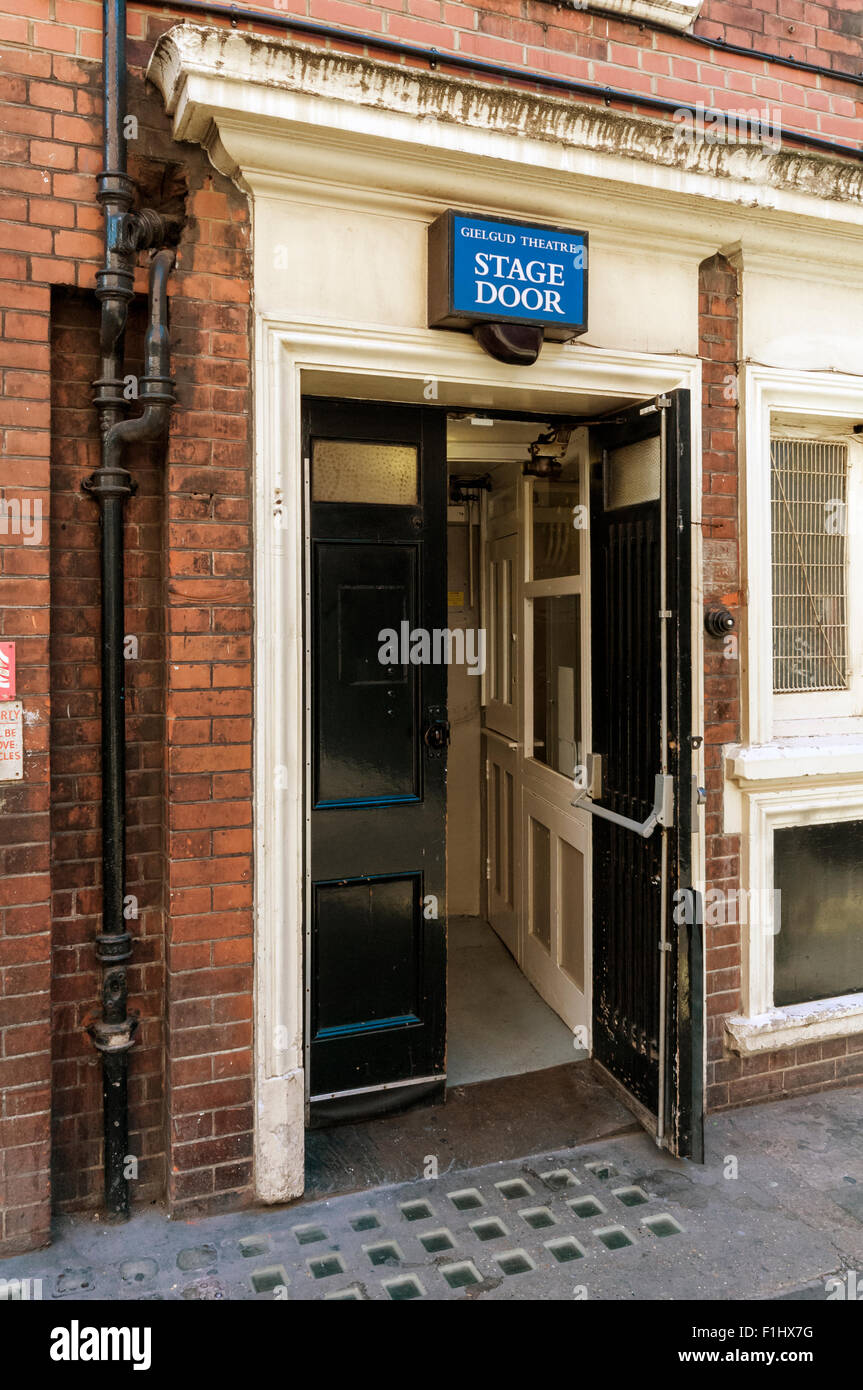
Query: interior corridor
497, 1024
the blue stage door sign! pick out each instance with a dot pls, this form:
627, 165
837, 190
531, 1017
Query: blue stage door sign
511, 272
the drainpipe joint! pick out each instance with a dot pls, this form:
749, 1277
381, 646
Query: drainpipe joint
109, 480
113, 1037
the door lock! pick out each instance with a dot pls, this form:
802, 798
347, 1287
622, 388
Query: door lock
436, 736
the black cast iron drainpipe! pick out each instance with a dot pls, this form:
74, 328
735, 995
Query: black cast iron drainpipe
126, 233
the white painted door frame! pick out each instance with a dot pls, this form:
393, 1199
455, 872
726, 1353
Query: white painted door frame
366, 362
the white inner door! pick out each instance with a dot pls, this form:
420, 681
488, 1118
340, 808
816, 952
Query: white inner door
537, 711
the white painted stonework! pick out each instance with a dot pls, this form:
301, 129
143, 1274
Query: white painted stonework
792, 758
676, 14
796, 1025
346, 161
807, 769
758, 808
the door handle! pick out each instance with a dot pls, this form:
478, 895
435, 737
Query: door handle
662, 813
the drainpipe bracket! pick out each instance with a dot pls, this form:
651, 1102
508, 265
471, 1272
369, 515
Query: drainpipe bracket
109, 482
112, 947
113, 1037
114, 185
109, 395
115, 284
156, 390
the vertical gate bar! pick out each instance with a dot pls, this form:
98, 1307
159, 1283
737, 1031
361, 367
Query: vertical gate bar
663, 757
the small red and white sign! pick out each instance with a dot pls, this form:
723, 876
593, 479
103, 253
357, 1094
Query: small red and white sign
7, 670
11, 742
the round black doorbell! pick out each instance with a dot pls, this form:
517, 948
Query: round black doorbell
718, 622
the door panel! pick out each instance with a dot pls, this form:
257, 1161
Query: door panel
376, 965
376, 919
556, 909
360, 590
504, 882
502, 664
556, 675
647, 970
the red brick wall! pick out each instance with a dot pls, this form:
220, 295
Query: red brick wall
189, 709
733, 1080
718, 306
209, 625
828, 34
546, 37
25, 912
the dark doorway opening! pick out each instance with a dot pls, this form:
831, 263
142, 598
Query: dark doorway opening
440, 798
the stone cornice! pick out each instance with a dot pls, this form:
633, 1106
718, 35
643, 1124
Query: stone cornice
264, 105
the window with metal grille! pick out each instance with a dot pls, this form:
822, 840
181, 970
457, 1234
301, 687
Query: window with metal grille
809, 502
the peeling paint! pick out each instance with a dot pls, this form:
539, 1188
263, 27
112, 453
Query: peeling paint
431, 96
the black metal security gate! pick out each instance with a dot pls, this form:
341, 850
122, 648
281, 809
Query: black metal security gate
647, 988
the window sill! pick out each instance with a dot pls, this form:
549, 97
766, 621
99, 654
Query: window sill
795, 1024
788, 759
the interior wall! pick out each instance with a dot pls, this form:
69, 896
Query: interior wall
464, 819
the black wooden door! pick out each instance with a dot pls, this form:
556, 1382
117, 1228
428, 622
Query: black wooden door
376, 967
647, 986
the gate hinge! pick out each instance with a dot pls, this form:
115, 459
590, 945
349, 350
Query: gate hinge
665, 945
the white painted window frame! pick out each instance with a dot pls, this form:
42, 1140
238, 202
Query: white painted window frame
556, 783
800, 771
763, 1026
803, 711
831, 403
